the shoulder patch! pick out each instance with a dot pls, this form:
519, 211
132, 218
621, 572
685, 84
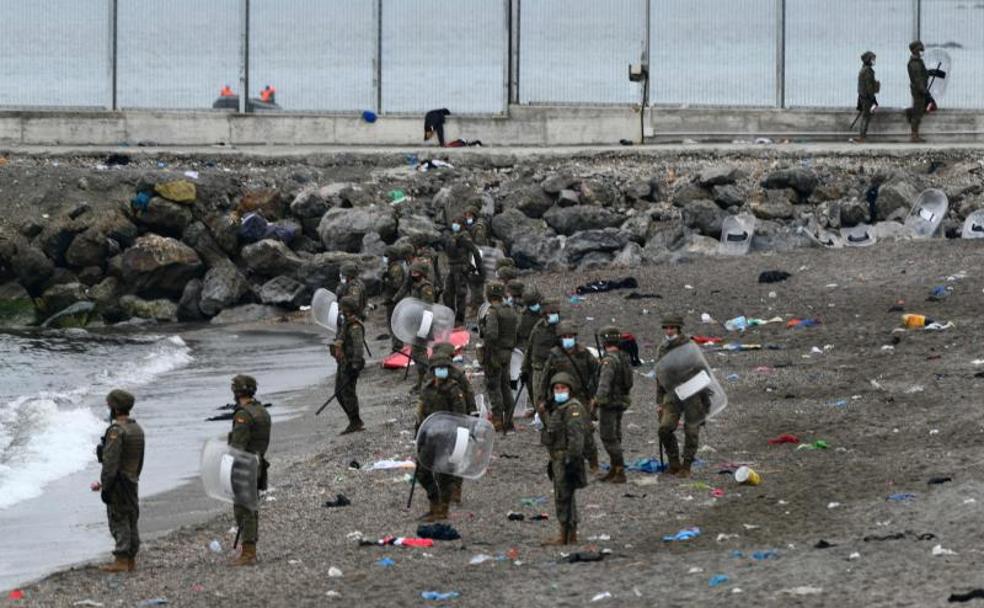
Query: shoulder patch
575, 414
114, 432
240, 418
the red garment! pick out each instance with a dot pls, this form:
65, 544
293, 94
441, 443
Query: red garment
784, 438
706, 340
226, 92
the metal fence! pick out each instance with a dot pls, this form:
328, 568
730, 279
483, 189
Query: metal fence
475, 56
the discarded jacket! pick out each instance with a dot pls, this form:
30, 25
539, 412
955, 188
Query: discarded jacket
438, 532
773, 276
603, 286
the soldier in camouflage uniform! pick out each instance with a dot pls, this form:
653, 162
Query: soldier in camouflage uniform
250, 433
395, 276
868, 87
439, 394
347, 351
121, 454
543, 338
464, 262
478, 231
693, 410
530, 306
567, 426
350, 285
421, 289
919, 88
445, 351
514, 293
505, 270
612, 399
570, 357
498, 331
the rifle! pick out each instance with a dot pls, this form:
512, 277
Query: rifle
332, 398
413, 485
229, 406
935, 72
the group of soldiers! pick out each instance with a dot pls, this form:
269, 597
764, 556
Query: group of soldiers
919, 88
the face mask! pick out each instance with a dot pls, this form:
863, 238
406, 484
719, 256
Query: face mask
441, 373
455, 227
561, 397
553, 318
535, 308
469, 221
386, 260
568, 342
509, 300
343, 280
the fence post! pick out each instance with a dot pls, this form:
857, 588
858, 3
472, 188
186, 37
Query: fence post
514, 33
377, 75
780, 53
111, 103
243, 55
916, 19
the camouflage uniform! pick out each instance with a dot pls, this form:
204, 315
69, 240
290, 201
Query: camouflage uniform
919, 88
464, 261
612, 399
567, 426
122, 456
422, 290
868, 87
498, 330
395, 276
446, 351
347, 351
251, 428
529, 317
439, 396
514, 292
693, 411
478, 231
543, 338
353, 286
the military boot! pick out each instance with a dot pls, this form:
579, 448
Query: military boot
684, 471
247, 557
572, 534
561, 539
119, 564
593, 462
430, 512
439, 512
618, 471
131, 564
915, 138
354, 426
674, 467
456, 494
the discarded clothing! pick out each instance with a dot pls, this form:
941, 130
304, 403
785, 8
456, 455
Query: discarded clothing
685, 534
802, 323
584, 556
784, 438
939, 293
340, 501
438, 532
936, 481
464, 143
513, 516
705, 340
635, 295
607, 285
141, 201
900, 497
435, 596
765, 555
966, 597
717, 579
773, 276
822, 544
646, 465
900, 536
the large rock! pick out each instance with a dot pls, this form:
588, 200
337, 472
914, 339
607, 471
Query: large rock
158, 265
631, 256
157, 310
854, 212
598, 193
589, 241
164, 217
343, 229
270, 258
106, 296
285, 292
309, 204
728, 196
689, 193
777, 206
223, 286
265, 202
637, 227
188, 306
778, 236
322, 270
512, 224
664, 237
248, 313
718, 175
24, 261
568, 220
108, 234
535, 251
414, 226
553, 184
224, 228
638, 190
704, 216
532, 201
198, 237
802, 180
16, 306
893, 196
58, 235
59, 297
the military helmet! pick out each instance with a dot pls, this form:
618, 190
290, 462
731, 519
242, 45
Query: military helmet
349, 304
916, 45
444, 350
531, 296
505, 263
244, 385
672, 320
350, 269
394, 252
507, 273
563, 378
120, 400
419, 267
567, 328
610, 334
495, 289
439, 359
550, 307
516, 288
867, 57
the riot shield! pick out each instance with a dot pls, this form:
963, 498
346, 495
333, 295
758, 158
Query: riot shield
230, 475
521, 401
455, 444
490, 257
939, 65
736, 234
417, 322
324, 309
858, 236
684, 372
927, 214
973, 227
820, 236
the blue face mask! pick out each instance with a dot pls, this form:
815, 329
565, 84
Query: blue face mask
441, 373
470, 221
456, 227
568, 342
386, 260
535, 308
561, 397
553, 318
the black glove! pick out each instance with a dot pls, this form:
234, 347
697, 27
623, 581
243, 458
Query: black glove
524, 378
106, 495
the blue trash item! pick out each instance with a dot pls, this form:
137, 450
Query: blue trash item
940, 292
717, 579
646, 465
735, 553
764, 555
737, 324
385, 562
685, 534
281, 232
905, 497
141, 201
369, 116
253, 228
435, 596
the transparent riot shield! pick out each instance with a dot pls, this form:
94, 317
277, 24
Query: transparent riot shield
684, 372
230, 475
858, 236
939, 65
417, 322
973, 227
455, 444
521, 394
927, 214
490, 257
736, 234
324, 309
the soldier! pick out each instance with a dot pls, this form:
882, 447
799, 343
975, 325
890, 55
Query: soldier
567, 425
464, 261
919, 88
446, 350
421, 289
868, 87
477, 227
542, 339
440, 394
423, 251
498, 330
349, 284
514, 293
576, 360
347, 351
250, 433
671, 409
505, 270
121, 454
395, 276
612, 399
529, 317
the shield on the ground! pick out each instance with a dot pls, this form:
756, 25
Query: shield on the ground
417, 322
455, 444
324, 309
230, 475
927, 214
938, 64
685, 373
858, 236
973, 227
821, 236
736, 234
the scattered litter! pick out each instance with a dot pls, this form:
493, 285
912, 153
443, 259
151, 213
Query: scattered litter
773, 276
750, 527
854, 556
717, 492
334, 572
356, 535
802, 323
736, 554
384, 465
600, 537
717, 580
157, 601
481, 558
585, 556
906, 497
736, 324
765, 555
939, 550
833, 505
939, 293
819, 444
635, 295
215, 546
385, 562
646, 465
332, 593
16, 594
805, 590
747, 476
695, 570
575, 299
340, 501
191, 174
706, 318
435, 596
354, 465
93, 603
723, 537
966, 597
514, 516
437, 532
685, 534
608, 285
607, 595
936, 481
822, 544
784, 438
688, 286
899, 536
535, 501
705, 340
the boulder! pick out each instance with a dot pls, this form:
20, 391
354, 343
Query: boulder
630, 256
106, 296
285, 292
704, 216
728, 196
188, 306
568, 220
90, 275
557, 182
322, 270
157, 310
59, 297
224, 228
265, 202
568, 198
198, 237
309, 204
16, 306
893, 196
777, 206
688, 193
158, 265
344, 229
356, 196
598, 193
270, 258
594, 260
164, 217
664, 237
223, 286
607, 240
512, 224
538, 252
853, 212
638, 190
718, 175
179, 191
778, 236
31, 228
637, 227
532, 201
701, 245
248, 313
89, 248
57, 237
372, 245
414, 226
803, 181
24, 261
